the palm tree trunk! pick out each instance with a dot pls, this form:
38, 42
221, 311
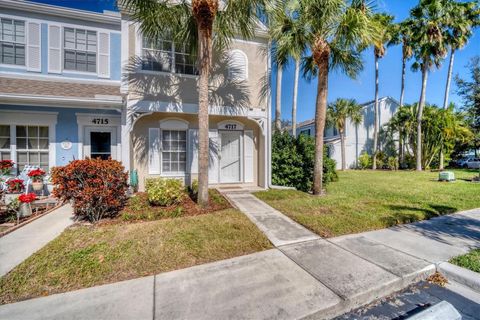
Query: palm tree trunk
342, 143
205, 15
449, 80
278, 102
421, 105
402, 86
295, 98
321, 55
445, 100
375, 127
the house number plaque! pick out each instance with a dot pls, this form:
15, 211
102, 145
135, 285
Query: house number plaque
230, 127
100, 121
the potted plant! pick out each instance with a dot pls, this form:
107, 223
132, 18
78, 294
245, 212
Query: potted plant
37, 176
25, 204
15, 185
5, 167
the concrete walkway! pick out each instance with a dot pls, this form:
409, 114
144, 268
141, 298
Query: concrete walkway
17, 246
304, 277
278, 228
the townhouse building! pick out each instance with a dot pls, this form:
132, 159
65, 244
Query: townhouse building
77, 84
60, 74
162, 98
358, 138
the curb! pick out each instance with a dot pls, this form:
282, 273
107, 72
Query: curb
460, 275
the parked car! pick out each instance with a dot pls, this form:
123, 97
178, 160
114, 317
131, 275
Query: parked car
473, 163
462, 162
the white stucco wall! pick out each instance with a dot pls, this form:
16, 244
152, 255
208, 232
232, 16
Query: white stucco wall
358, 138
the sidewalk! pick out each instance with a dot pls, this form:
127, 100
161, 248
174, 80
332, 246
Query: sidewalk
17, 246
304, 277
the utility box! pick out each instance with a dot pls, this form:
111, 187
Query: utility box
446, 176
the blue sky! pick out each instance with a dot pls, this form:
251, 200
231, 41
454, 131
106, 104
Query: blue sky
362, 89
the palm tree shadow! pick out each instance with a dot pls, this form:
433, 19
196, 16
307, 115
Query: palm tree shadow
440, 225
407, 214
170, 92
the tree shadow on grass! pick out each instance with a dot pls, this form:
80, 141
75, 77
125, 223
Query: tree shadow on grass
405, 214
455, 229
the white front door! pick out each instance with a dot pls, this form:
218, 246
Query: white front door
100, 143
230, 155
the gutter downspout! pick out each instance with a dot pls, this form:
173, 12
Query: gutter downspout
269, 121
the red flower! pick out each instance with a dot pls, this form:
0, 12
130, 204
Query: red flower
27, 198
15, 185
36, 173
5, 166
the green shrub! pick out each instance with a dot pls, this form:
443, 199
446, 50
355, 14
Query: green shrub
293, 161
164, 192
194, 188
364, 161
381, 160
392, 163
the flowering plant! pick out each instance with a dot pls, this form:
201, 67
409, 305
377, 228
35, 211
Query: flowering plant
15, 185
37, 175
5, 166
27, 198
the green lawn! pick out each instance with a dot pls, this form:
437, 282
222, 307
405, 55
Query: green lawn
469, 261
368, 200
85, 256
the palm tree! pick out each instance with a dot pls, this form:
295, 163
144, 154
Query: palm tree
386, 29
402, 35
403, 123
463, 17
428, 36
203, 25
287, 32
337, 115
337, 32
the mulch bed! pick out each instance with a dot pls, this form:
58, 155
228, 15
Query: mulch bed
140, 210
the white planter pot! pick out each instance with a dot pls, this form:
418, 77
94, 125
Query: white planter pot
25, 210
9, 197
37, 186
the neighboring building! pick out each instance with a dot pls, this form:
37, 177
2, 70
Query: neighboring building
358, 138
59, 84
162, 97
76, 84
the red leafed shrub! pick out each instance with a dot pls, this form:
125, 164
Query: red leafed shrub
97, 187
27, 198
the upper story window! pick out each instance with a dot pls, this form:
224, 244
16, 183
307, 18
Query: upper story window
167, 56
80, 50
12, 41
306, 132
238, 66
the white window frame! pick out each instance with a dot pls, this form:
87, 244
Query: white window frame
29, 151
171, 151
234, 75
7, 150
86, 51
14, 42
172, 54
31, 118
174, 124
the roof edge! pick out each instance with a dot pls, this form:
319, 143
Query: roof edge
108, 17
